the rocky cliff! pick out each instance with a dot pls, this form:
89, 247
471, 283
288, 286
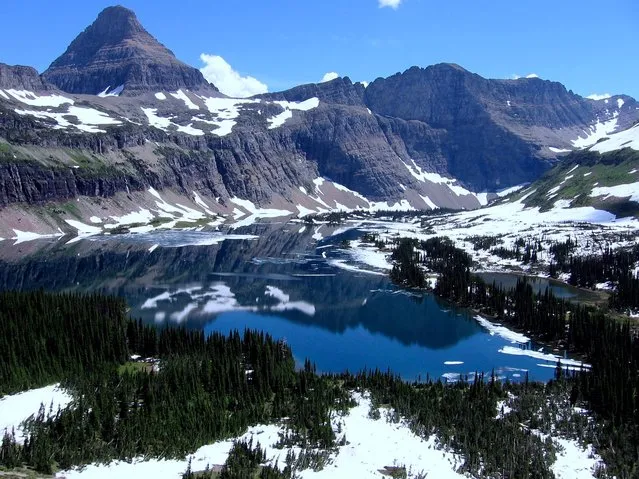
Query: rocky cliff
22, 78
425, 138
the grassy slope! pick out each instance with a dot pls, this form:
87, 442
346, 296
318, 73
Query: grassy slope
607, 169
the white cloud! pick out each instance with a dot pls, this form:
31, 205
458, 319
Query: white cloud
365, 83
217, 71
515, 76
329, 76
394, 4
597, 96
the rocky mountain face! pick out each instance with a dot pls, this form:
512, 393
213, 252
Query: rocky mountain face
116, 52
498, 132
22, 78
425, 138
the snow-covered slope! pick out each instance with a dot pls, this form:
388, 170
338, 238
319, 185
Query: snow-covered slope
604, 176
16, 408
624, 139
164, 110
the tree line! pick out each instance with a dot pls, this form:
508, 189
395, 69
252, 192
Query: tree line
207, 388
198, 389
610, 387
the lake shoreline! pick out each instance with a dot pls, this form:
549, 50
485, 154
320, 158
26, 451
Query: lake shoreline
600, 294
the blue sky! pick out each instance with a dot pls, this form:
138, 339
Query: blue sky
589, 46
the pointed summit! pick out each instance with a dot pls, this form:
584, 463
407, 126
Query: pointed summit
116, 50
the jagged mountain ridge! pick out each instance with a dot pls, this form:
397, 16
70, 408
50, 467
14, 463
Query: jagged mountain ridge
402, 140
116, 52
494, 120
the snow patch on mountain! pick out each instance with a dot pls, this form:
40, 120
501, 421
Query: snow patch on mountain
630, 191
32, 99
289, 106
227, 110
115, 92
596, 132
155, 120
278, 120
429, 202
424, 176
87, 118
624, 139
165, 123
180, 95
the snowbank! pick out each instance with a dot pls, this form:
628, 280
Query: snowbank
16, 408
372, 445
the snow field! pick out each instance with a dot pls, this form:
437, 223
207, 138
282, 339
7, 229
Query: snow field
16, 408
371, 445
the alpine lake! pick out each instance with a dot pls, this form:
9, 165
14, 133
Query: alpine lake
298, 284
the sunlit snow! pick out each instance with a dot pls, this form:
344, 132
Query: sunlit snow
596, 132
624, 139
87, 118
31, 99
115, 92
629, 190
371, 446
502, 331
288, 106
16, 408
180, 95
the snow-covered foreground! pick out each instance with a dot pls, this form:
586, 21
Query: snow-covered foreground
573, 461
16, 408
371, 445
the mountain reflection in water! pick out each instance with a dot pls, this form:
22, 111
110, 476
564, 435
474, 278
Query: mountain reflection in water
273, 278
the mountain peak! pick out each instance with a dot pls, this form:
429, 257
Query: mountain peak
118, 11
116, 23
116, 50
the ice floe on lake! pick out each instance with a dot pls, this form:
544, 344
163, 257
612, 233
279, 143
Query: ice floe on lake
551, 358
502, 331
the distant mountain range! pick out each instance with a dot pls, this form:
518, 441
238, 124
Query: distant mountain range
117, 128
